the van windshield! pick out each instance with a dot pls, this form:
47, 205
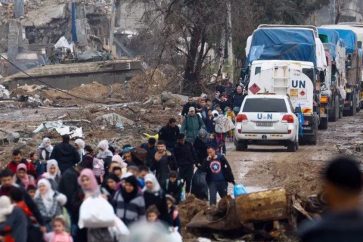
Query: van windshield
265, 105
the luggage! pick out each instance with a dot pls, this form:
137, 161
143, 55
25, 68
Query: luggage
199, 185
96, 212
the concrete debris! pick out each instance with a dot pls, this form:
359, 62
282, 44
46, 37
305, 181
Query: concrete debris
4, 93
173, 100
60, 128
114, 119
31, 88
13, 137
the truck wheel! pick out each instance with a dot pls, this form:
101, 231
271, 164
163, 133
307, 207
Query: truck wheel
323, 124
241, 145
335, 112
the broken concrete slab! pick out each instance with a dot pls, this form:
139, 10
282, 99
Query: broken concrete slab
47, 12
114, 119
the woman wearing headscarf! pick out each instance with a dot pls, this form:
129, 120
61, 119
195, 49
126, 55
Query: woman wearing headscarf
90, 188
154, 195
128, 201
53, 174
110, 185
104, 153
44, 151
49, 202
80, 144
22, 178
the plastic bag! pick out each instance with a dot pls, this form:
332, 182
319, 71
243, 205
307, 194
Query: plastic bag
199, 185
175, 236
119, 230
96, 212
239, 190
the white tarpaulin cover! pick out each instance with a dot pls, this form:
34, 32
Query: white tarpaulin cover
63, 43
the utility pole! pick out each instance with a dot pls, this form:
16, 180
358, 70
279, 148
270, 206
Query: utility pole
112, 27
230, 59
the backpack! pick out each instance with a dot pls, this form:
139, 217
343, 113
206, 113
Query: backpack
98, 167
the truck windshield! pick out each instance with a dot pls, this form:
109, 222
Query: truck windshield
262, 105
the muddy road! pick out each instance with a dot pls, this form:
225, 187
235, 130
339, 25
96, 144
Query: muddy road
266, 167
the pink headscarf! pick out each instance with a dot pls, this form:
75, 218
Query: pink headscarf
94, 188
27, 180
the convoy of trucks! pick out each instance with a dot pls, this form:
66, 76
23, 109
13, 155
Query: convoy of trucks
320, 69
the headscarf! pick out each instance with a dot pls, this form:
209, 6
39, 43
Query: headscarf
47, 198
151, 178
119, 160
81, 144
51, 163
104, 152
129, 196
26, 181
94, 185
203, 135
46, 145
6, 208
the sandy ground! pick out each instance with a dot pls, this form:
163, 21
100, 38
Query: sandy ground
267, 167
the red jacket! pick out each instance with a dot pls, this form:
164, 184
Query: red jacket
30, 167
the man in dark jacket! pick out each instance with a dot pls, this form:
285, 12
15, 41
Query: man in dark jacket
7, 183
65, 154
150, 148
219, 174
185, 158
163, 163
342, 191
189, 104
238, 98
169, 134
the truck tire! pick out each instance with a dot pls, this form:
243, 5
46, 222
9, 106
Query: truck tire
241, 145
323, 124
334, 115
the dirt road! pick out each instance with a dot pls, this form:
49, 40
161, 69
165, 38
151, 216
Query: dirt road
267, 167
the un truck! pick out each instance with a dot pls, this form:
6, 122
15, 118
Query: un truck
289, 60
352, 38
332, 89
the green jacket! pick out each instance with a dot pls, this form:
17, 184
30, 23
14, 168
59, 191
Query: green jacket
191, 126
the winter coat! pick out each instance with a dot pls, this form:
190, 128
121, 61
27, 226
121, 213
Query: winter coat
159, 200
62, 237
220, 163
15, 226
200, 148
174, 189
150, 153
12, 165
237, 100
185, 154
129, 212
174, 215
66, 155
163, 167
191, 126
55, 209
169, 135
5, 191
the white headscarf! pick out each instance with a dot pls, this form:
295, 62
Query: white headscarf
104, 151
151, 178
48, 197
46, 144
51, 163
6, 207
81, 144
119, 160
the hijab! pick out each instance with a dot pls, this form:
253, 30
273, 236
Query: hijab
51, 163
104, 151
46, 145
47, 198
94, 188
151, 178
119, 160
26, 180
81, 144
129, 196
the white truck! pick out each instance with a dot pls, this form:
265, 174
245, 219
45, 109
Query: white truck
292, 78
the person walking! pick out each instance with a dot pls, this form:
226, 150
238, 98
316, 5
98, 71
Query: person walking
191, 125
169, 134
342, 188
49, 202
186, 158
44, 151
22, 178
65, 154
80, 145
219, 174
237, 99
129, 202
104, 153
53, 174
163, 163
